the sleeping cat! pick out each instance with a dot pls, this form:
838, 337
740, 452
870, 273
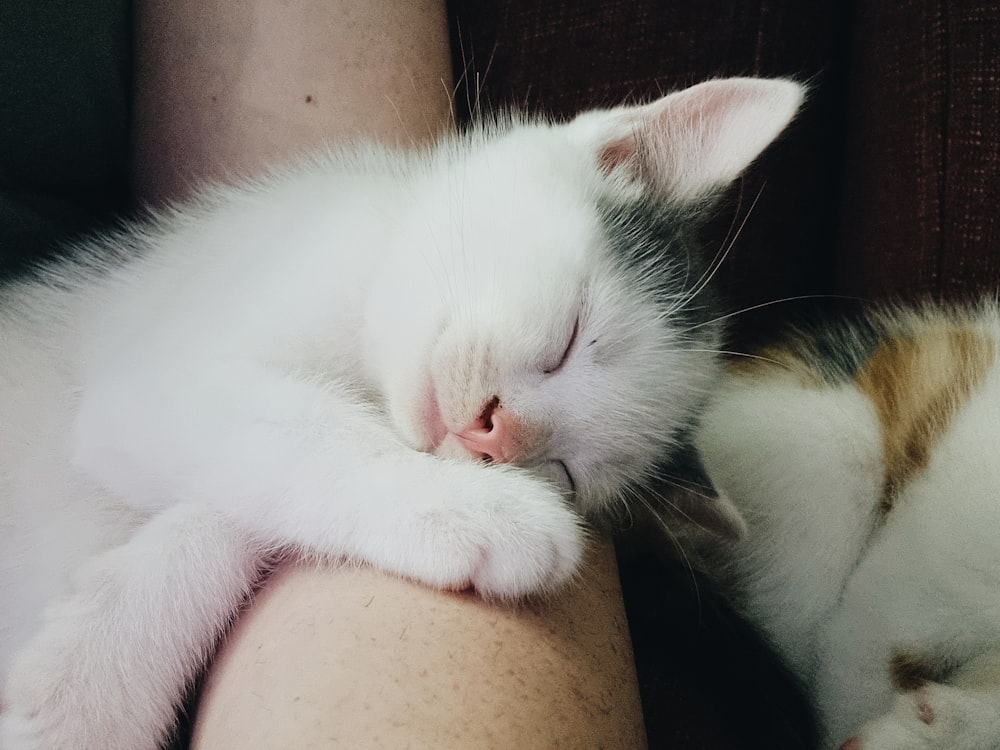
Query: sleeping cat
864, 461
437, 363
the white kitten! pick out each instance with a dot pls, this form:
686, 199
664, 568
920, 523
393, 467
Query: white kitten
864, 460
316, 363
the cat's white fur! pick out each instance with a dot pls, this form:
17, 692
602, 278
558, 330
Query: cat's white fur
839, 586
258, 371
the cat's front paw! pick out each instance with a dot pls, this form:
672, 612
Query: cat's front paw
934, 717
47, 703
40, 710
42, 706
23, 728
65, 689
501, 531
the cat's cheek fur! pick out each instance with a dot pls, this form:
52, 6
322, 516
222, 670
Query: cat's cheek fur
398, 333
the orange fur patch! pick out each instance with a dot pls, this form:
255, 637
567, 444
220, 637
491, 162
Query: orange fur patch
917, 384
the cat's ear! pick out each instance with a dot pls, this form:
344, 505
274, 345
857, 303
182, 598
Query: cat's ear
690, 143
685, 494
704, 507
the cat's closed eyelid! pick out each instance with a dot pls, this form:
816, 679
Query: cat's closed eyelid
566, 352
569, 476
557, 472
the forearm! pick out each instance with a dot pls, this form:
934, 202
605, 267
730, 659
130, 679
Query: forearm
225, 87
354, 658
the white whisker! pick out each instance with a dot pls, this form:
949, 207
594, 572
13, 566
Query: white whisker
795, 298
676, 543
719, 259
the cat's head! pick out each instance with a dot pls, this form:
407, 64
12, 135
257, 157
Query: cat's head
543, 303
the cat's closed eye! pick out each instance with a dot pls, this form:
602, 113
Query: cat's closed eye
549, 370
557, 471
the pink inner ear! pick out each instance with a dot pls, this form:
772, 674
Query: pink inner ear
690, 143
701, 106
616, 154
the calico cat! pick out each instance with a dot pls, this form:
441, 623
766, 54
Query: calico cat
864, 461
435, 362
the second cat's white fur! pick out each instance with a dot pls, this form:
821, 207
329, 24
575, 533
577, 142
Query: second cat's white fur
310, 364
863, 458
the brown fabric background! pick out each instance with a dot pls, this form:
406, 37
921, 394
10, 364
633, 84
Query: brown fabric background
886, 187
922, 182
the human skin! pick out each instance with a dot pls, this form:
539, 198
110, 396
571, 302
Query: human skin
354, 658
346, 656
225, 87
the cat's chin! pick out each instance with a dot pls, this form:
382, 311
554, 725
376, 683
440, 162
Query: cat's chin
452, 447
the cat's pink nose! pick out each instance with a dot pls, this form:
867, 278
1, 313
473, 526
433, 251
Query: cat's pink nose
492, 435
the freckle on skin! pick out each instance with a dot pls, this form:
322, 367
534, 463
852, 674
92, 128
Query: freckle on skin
309, 99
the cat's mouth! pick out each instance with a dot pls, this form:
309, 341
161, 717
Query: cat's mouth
439, 439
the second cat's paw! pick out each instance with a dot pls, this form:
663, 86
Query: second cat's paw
935, 717
501, 531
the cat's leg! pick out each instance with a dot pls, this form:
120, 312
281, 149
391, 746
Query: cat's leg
852, 682
873, 693
307, 464
962, 713
112, 660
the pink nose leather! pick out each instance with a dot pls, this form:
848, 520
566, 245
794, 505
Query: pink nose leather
492, 435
